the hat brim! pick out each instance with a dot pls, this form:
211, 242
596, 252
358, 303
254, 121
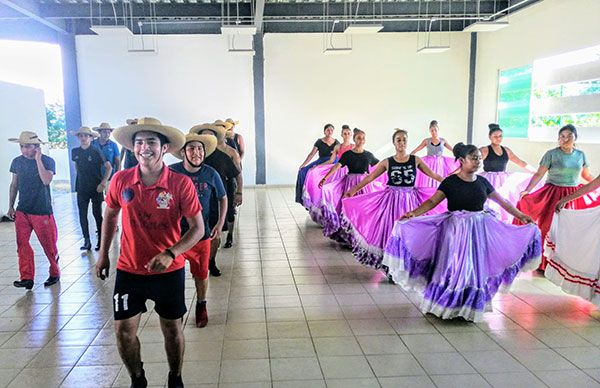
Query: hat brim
218, 130
124, 135
17, 140
98, 129
209, 142
92, 134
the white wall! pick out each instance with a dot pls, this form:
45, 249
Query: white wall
544, 29
21, 109
381, 85
191, 80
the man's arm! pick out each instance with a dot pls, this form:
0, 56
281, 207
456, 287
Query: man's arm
107, 173
12, 196
45, 175
216, 231
109, 228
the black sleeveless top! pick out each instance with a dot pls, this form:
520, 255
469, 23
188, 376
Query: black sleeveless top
233, 142
324, 149
402, 174
494, 162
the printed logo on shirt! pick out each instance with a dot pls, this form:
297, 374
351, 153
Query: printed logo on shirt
127, 195
402, 175
163, 200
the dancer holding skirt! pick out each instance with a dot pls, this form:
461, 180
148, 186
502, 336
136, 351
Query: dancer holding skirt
435, 160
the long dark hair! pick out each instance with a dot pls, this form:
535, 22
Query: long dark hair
461, 150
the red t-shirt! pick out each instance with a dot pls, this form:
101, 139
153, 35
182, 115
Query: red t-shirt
151, 216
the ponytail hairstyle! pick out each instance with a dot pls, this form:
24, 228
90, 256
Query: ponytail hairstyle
461, 150
327, 126
357, 132
493, 128
397, 131
569, 127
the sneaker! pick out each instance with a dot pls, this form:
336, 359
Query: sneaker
51, 280
201, 314
174, 381
140, 381
212, 268
25, 283
87, 245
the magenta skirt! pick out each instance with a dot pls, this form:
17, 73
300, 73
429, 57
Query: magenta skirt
441, 165
331, 202
368, 219
509, 186
459, 260
311, 195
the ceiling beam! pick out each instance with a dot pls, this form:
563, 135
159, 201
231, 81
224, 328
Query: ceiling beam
31, 10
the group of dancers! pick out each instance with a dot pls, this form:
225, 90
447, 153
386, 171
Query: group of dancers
439, 226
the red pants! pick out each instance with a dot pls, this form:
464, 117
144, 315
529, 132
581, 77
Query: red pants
45, 229
198, 256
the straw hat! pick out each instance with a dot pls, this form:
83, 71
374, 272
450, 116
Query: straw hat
124, 135
225, 124
131, 121
103, 126
232, 121
218, 130
208, 141
27, 137
85, 131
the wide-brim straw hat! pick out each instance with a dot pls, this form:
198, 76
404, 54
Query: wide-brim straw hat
232, 121
218, 130
225, 124
27, 137
124, 135
209, 142
103, 126
85, 131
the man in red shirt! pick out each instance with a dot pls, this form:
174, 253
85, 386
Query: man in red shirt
151, 265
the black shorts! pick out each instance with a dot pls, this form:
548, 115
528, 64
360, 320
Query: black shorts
166, 290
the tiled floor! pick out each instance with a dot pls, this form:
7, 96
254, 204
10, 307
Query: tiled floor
292, 309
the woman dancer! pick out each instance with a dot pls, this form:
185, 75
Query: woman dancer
495, 158
438, 163
369, 218
564, 164
311, 196
572, 246
459, 259
357, 161
324, 146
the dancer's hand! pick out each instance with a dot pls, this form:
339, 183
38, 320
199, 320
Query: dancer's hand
237, 200
321, 183
525, 219
408, 215
100, 188
102, 267
523, 193
349, 194
560, 205
159, 263
216, 231
11, 213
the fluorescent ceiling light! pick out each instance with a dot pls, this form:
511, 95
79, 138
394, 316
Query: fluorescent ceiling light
483, 26
241, 51
363, 29
238, 30
112, 30
432, 49
337, 51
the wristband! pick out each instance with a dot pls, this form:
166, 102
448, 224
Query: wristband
169, 252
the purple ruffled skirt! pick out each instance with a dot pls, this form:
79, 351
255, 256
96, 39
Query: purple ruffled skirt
311, 195
441, 165
368, 219
459, 260
331, 202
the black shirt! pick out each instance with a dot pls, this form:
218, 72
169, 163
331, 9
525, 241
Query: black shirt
494, 162
358, 163
324, 149
402, 174
34, 195
228, 171
130, 160
464, 195
89, 164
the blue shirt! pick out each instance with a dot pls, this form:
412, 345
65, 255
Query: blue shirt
563, 168
34, 195
110, 151
209, 187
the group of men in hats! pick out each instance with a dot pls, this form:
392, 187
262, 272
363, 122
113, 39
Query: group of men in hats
169, 215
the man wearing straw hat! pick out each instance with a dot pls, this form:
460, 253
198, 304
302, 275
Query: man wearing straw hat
109, 148
210, 189
31, 176
235, 140
90, 183
151, 264
228, 172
